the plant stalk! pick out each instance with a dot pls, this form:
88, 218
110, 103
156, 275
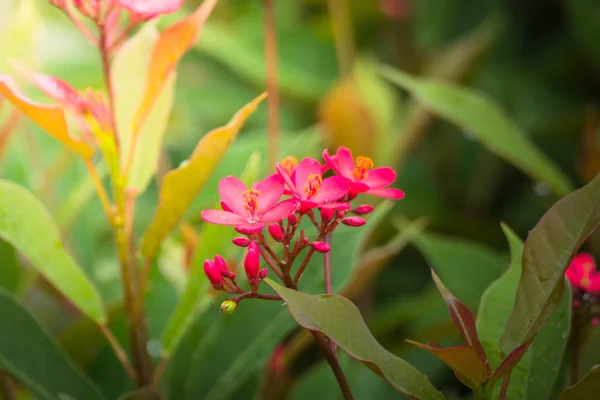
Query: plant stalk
334, 364
272, 86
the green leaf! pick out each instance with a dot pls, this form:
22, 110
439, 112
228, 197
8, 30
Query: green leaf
214, 239
549, 249
129, 73
181, 185
454, 259
534, 375
240, 356
29, 354
10, 268
585, 389
29, 228
484, 120
339, 319
143, 394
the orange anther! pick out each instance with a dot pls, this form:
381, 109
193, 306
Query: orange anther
363, 164
251, 200
313, 183
288, 164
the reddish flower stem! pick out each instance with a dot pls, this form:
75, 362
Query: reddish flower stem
270, 262
327, 265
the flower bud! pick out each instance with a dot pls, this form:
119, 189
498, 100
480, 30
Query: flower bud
241, 241
326, 214
321, 247
364, 209
292, 219
354, 221
275, 232
228, 306
263, 273
252, 261
305, 240
222, 265
213, 273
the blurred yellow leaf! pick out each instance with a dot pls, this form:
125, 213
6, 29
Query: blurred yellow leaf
181, 185
170, 47
48, 117
129, 73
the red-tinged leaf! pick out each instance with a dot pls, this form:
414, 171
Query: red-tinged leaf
181, 185
170, 47
511, 361
466, 363
463, 318
48, 117
549, 249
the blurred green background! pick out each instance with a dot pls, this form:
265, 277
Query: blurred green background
538, 60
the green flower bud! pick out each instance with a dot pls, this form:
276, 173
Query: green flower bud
228, 306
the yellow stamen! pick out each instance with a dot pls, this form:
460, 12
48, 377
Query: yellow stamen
363, 164
251, 200
313, 183
585, 282
288, 164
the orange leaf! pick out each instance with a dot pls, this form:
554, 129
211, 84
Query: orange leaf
170, 47
48, 117
467, 365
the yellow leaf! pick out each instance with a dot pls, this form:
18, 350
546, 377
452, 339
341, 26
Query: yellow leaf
170, 47
181, 185
48, 117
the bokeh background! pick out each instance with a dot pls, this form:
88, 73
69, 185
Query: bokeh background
538, 60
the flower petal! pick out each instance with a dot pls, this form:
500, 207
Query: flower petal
379, 177
280, 211
151, 7
307, 167
388, 193
330, 163
231, 190
271, 190
222, 217
584, 263
338, 206
345, 162
289, 181
333, 188
249, 228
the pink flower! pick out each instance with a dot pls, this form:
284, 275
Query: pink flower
213, 273
151, 8
306, 184
582, 273
361, 175
252, 263
249, 210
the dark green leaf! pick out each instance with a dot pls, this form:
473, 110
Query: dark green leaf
586, 389
338, 318
10, 268
29, 354
549, 249
484, 120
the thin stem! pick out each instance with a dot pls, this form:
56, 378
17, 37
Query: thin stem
300, 271
119, 352
334, 364
76, 20
272, 87
575, 344
105, 57
327, 265
342, 33
100, 190
270, 262
8, 129
7, 387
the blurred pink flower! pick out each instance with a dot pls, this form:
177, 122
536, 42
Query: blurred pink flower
582, 273
361, 175
249, 210
151, 8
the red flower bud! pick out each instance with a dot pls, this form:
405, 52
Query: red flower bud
275, 232
292, 219
341, 214
241, 241
213, 272
326, 214
305, 240
263, 273
222, 265
364, 209
252, 261
321, 247
354, 221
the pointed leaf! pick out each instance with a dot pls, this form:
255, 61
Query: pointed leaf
129, 73
339, 319
463, 318
464, 361
170, 47
180, 186
549, 249
585, 389
29, 228
48, 117
29, 354
485, 121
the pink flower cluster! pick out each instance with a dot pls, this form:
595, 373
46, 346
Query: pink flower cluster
282, 200
582, 273
139, 10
